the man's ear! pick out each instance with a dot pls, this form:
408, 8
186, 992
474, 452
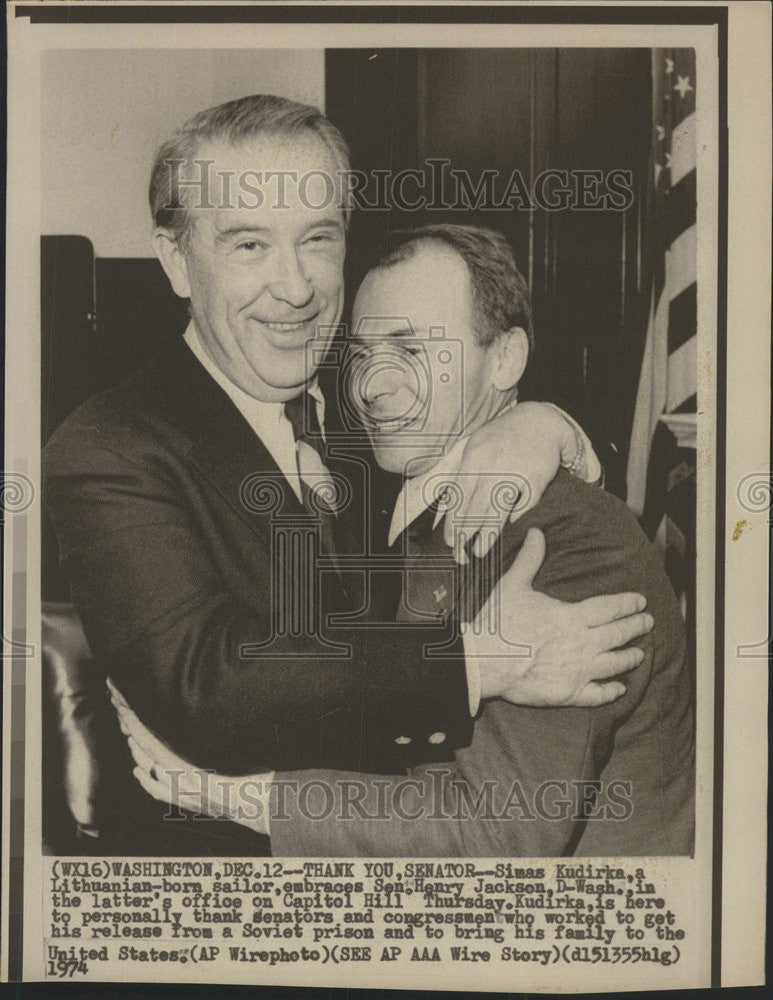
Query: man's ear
511, 354
168, 251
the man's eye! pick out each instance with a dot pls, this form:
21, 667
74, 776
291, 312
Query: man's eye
320, 238
251, 246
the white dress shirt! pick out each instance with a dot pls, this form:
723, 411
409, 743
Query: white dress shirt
267, 420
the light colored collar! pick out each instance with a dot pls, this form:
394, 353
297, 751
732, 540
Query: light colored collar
421, 491
255, 410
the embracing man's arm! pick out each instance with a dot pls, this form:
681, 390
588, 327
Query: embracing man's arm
507, 465
177, 641
506, 796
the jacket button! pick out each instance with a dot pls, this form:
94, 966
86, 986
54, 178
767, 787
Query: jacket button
437, 738
404, 739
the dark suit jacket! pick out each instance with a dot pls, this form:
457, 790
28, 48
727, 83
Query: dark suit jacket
531, 773
183, 544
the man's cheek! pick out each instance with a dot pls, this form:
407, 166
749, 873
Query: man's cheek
328, 271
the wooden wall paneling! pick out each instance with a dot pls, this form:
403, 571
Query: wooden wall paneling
602, 124
528, 111
539, 381
69, 342
477, 114
371, 97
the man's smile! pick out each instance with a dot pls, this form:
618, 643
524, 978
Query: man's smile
389, 425
284, 334
287, 327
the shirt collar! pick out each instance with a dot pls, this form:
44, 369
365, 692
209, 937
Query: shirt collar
420, 492
253, 409
423, 490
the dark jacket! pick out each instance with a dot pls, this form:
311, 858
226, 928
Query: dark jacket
183, 544
610, 781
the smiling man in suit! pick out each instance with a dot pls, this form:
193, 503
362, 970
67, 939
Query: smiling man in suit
172, 560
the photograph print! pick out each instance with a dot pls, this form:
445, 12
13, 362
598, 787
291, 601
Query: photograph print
370, 411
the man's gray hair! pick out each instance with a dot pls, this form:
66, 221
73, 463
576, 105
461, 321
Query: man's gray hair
234, 121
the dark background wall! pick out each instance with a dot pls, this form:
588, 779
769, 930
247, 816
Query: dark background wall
528, 110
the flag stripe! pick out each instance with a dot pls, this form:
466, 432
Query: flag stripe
650, 403
682, 374
683, 149
682, 317
680, 263
668, 376
682, 206
690, 405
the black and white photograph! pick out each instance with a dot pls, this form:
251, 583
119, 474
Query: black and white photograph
381, 401
468, 607
270, 600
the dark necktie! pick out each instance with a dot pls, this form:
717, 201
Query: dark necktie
443, 585
318, 488
428, 587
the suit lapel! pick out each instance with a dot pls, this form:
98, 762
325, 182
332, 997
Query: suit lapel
224, 448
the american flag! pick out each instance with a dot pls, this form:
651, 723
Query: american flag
661, 461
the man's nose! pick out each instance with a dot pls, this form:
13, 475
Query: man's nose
376, 387
375, 381
290, 283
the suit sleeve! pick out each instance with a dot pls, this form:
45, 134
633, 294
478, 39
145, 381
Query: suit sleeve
341, 814
527, 787
181, 646
433, 812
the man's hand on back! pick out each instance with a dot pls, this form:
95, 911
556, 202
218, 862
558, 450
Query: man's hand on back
168, 777
535, 650
521, 450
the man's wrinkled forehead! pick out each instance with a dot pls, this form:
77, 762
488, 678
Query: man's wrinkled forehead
369, 328
425, 291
